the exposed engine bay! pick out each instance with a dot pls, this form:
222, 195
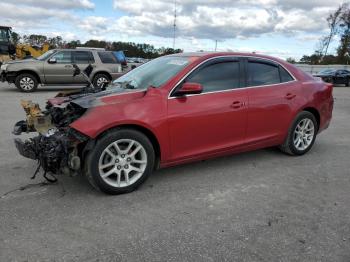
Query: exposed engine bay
56, 145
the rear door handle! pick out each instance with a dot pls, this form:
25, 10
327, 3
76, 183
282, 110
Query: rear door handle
237, 104
68, 66
290, 96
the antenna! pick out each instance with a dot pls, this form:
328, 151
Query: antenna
175, 14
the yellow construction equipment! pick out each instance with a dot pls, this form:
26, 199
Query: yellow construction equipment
25, 50
9, 51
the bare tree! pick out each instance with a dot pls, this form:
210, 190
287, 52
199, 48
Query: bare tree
334, 21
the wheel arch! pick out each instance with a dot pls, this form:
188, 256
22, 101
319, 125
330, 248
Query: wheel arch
102, 72
146, 131
315, 112
25, 71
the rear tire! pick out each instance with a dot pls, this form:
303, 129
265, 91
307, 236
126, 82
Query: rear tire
101, 78
301, 135
120, 161
26, 83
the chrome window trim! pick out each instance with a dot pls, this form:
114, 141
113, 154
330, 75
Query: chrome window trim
240, 88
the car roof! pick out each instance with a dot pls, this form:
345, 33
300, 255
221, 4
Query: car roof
80, 49
292, 69
206, 55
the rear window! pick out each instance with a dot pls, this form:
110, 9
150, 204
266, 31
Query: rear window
264, 73
107, 58
285, 76
260, 73
120, 56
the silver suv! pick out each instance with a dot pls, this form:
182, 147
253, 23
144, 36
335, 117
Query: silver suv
55, 67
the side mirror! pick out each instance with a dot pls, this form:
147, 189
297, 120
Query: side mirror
52, 60
190, 89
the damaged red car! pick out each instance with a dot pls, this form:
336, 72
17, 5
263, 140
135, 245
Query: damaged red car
173, 110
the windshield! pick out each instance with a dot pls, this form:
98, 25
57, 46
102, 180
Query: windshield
154, 73
4, 35
46, 55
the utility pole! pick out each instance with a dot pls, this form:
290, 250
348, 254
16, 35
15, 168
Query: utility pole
175, 14
216, 45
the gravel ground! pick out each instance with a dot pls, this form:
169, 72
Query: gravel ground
257, 206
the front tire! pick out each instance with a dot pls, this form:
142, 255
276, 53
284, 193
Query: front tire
26, 83
301, 135
120, 162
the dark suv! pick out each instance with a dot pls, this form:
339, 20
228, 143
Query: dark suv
55, 67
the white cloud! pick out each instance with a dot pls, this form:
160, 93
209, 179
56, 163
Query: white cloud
224, 19
11, 11
51, 4
199, 22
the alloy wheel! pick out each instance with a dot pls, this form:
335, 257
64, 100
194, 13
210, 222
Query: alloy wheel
304, 134
27, 83
101, 80
122, 163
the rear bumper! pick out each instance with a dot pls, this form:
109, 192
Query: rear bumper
326, 114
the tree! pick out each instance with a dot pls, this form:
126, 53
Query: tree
333, 23
339, 25
35, 39
56, 42
131, 49
15, 38
311, 60
73, 44
344, 33
291, 60
96, 43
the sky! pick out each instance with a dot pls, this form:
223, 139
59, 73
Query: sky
282, 28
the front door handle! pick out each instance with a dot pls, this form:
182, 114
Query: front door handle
68, 66
237, 105
290, 96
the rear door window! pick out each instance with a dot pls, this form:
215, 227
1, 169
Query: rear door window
83, 57
260, 73
285, 76
107, 58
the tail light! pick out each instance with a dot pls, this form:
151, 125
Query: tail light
330, 88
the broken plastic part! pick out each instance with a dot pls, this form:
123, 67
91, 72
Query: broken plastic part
36, 119
56, 146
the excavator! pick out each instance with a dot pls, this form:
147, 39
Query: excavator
10, 51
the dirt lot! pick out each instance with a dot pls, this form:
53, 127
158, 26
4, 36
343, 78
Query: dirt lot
258, 206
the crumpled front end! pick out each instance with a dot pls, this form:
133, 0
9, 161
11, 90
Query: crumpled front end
56, 145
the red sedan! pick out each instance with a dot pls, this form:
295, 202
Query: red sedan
182, 108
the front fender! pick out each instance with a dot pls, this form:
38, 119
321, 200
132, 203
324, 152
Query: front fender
147, 114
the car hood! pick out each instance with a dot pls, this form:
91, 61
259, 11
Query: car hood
112, 96
29, 60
